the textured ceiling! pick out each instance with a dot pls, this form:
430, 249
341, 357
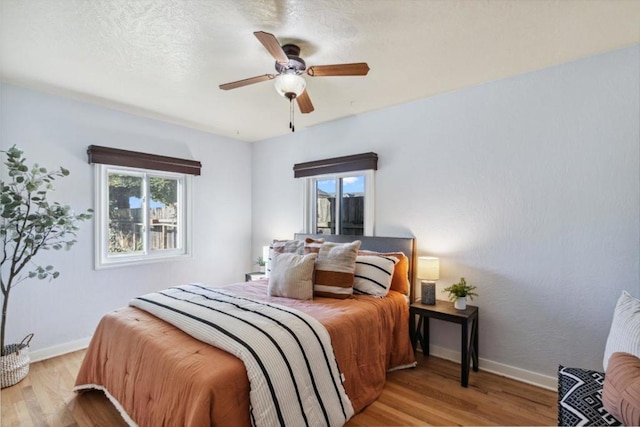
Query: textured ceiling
166, 58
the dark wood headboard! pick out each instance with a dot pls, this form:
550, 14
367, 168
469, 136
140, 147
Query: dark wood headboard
406, 245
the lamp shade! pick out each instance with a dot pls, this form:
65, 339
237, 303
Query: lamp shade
428, 268
290, 83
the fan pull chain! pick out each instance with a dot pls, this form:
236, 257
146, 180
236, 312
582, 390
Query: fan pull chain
291, 117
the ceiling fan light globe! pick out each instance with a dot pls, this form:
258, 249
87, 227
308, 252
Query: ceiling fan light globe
288, 84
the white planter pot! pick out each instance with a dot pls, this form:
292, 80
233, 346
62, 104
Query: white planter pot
460, 303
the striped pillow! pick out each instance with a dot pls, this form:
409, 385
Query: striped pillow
373, 275
335, 266
400, 281
292, 276
624, 335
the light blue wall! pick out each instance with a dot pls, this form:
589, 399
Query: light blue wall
55, 131
529, 187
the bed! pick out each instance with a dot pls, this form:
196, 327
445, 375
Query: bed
156, 374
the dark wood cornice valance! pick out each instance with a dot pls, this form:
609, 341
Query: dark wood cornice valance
355, 162
134, 159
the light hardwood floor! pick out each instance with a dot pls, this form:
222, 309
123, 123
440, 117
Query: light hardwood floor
427, 395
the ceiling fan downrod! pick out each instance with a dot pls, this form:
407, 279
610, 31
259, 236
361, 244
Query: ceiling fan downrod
291, 97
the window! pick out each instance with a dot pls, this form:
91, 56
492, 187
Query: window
142, 215
339, 202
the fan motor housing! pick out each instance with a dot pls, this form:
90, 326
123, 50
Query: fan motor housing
295, 64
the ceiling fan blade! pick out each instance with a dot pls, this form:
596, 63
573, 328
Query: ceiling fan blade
245, 82
304, 103
355, 69
271, 43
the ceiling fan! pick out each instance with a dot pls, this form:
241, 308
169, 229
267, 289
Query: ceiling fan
290, 67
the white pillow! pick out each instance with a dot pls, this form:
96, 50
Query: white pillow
624, 335
292, 275
373, 275
282, 246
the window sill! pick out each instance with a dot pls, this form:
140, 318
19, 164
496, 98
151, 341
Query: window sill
123, 262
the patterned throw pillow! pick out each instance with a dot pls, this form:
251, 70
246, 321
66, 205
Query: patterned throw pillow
282, 247
400, 280
312, 246
580, 399
624, 335
292, 276
335, 266
287, 246
373, 275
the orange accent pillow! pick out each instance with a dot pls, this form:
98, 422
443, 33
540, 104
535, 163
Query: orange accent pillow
400, 279
621, 391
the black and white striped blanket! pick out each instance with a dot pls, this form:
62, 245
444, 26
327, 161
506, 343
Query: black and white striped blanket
288, 355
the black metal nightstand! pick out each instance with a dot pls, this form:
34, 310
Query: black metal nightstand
444, 310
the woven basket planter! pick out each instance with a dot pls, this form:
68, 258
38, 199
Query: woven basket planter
15, 365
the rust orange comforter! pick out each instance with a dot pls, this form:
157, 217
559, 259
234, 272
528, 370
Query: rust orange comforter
159, 375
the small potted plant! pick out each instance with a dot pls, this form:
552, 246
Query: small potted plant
261, 264
458, 293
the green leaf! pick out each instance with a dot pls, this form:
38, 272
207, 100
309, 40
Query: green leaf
14, 152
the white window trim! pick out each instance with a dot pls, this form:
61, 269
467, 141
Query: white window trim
101, 232
309, 197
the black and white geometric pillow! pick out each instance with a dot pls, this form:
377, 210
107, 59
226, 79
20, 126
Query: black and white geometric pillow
580, 399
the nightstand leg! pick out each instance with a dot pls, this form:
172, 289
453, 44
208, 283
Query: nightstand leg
412, 330
420, 332
474, 338
464, 363
425, 336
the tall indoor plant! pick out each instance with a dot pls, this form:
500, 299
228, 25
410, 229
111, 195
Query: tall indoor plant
29, 223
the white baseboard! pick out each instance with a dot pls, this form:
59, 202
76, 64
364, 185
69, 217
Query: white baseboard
529, 377
59, 350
